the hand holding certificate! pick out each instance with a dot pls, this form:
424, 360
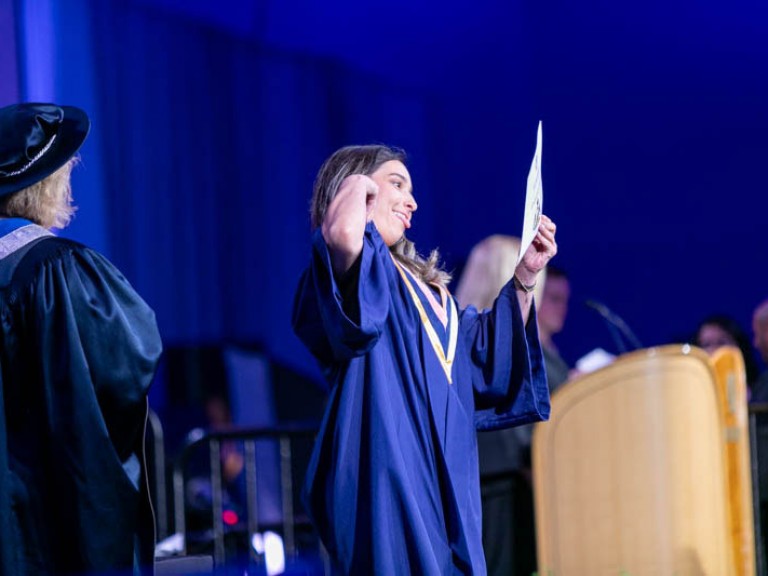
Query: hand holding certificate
537, 242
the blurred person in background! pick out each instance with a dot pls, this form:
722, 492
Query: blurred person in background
509, 538
79, 350
758, 399
719, 330
552, 313
760, 340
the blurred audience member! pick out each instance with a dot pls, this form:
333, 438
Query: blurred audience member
722, 330
219, 415
759, 395
552, 311
490, 265
507, 499
760, 329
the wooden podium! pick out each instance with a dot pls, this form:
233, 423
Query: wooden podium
643, 469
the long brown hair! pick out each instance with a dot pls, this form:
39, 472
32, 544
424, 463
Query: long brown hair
366, 160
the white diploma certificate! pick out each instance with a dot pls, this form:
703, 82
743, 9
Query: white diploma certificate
534, 199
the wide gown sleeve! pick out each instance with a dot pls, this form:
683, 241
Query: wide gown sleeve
319, 316
508, 373
97, 333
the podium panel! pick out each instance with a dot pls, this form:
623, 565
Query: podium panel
731, 379
630, 472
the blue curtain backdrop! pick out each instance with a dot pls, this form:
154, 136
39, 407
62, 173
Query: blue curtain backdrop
9, 87
211, 120
212, 143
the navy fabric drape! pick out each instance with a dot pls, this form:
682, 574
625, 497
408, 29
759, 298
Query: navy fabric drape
79, 350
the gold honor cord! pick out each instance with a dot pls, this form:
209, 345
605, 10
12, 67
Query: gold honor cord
445, 362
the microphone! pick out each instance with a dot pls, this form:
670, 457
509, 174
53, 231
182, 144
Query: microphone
616, 325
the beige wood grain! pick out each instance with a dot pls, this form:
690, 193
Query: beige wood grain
630, 471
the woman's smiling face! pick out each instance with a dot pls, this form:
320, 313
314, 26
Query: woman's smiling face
394, 203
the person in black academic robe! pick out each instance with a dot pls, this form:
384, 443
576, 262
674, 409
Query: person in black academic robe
393, 484
79, 350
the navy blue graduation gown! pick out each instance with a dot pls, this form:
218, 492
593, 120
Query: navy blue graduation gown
393, 484
79, 349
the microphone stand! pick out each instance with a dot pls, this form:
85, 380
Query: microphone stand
616, 325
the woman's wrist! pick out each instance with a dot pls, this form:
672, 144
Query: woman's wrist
526, 287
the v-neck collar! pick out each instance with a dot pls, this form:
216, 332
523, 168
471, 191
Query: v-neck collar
439, 308
444, 356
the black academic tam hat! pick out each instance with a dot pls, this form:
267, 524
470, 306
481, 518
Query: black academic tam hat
37, 139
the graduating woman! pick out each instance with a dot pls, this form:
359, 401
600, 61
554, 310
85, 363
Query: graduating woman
393, 485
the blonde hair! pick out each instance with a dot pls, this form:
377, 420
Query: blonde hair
47, 202
491, 264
